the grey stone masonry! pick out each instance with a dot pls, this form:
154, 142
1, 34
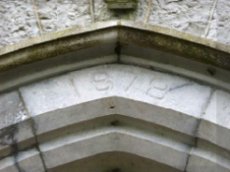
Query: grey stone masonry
28, 18
178, 122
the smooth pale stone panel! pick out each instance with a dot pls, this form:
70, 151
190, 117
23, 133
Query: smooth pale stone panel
168, 99
72, 115
215, 125
49, 95
183, 96
218, 110
161, 116
166, 90
109, 106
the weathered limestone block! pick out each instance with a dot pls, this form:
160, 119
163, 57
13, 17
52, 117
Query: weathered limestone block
23, 19
152, 88
223, 20
17, 21
184, 15
219, 27
15, 128
49, 95
149, 86
206, 158
11, 109
143, 11
58, 14
216, 120
27, 161
198, 163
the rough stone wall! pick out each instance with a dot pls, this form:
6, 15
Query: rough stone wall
21, 19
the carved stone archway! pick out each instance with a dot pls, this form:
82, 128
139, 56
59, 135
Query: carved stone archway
116, 95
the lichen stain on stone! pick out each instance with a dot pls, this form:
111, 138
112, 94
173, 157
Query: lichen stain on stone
178, 46
7, 135
47, 50
8, 139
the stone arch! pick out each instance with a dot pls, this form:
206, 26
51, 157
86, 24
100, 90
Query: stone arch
117, 108
116, 86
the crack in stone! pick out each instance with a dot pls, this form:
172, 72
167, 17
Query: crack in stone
15, 149
204, 108
180, 86
33, 127
92, 10
36, 13
211, 13
7, 137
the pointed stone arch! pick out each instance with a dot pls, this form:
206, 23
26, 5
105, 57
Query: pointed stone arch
115, 87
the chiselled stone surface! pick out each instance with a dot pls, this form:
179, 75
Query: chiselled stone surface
219, 109
152, 87
177, 94
59, 14
14, 124
11, 109
185, 15
216, 120
219, 27
49, 95
143, 11
149, 86
23, 19
17, 21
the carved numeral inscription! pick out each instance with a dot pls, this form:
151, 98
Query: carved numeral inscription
130, 81
101, 81
157, 89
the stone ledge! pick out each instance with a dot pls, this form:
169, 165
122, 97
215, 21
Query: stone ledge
184, 44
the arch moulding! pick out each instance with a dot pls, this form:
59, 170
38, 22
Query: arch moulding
115, 96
